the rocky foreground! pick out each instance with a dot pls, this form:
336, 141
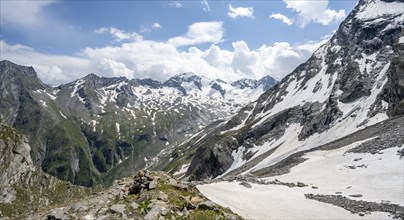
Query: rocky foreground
149, 195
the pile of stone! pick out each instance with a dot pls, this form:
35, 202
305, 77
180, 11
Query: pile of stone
142, 181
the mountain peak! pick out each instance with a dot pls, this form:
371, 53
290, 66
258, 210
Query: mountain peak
6, 65
177, 81
266, 82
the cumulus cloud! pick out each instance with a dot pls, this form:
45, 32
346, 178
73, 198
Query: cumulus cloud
282, 18
315, 11
205, 5
200, 32
115, 68
240, 12
175, 4
120, 35
160, 60
53, 69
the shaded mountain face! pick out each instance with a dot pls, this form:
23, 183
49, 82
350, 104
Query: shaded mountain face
92, 129
351, 82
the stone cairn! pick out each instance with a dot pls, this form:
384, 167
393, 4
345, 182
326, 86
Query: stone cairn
142, 181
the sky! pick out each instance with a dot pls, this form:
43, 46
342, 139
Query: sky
229, 40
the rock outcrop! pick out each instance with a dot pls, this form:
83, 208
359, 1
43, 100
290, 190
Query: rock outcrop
24, 188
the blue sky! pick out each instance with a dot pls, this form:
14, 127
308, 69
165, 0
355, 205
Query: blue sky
65, 40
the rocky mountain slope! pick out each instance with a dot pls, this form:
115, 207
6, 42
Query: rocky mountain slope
148, 195
24, 188
359, 176
90, 130
26, 192
351, 82
327, 140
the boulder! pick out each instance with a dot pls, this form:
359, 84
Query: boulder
209, 205
163, 196
153, 184
196, 200
300, 184
245, 184
134, 205
118, 208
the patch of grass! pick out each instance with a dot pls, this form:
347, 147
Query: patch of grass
9, 134
205, 215
143, 207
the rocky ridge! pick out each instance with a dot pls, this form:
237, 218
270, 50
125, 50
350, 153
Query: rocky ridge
148, 195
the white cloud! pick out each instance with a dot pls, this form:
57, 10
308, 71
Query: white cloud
120, 35
282, 18
160, 60
23, 14
315, 11
175, 4
200, 32
311, 45
205, 5
330, 16
31, 19
115, 68
54, 69
149, 29
156, 26
240, 12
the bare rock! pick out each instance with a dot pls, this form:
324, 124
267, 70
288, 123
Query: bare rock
153, 184
163, 196
209, 205
245, 184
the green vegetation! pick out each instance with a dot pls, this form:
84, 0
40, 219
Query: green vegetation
143, 207
9, 134
42, 193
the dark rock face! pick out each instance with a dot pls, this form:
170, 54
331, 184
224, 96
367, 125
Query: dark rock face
150, 82
357, 76
266, 82
218, 88
211, 162
394, 92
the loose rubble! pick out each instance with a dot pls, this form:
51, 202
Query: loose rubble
359, 206
149, 196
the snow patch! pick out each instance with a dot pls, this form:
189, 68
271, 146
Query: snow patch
62, 115
274, 202
43, 103
401, 40
377, 9
118, 129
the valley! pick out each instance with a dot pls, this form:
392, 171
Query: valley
324, 142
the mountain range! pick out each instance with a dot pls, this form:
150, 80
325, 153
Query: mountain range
327, 141
96, 127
